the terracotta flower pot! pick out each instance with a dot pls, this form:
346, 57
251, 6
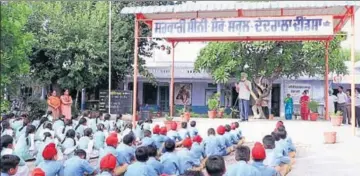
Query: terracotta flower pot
212, 114
330, 137
220, 114
314, 116
186, 116
336, 120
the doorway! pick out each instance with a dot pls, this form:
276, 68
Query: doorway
149, 94
164, 98
275, 100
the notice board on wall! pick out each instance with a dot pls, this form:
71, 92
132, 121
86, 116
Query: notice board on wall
121, 101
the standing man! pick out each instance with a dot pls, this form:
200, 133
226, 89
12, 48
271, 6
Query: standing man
342, 99
244, 88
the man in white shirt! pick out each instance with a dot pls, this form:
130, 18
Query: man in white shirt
342, 99
244, 89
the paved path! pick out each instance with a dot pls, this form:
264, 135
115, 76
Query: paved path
314, 157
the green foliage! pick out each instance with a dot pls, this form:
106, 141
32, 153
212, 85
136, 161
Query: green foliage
36, 107
270, 60
313, 106
15, 44
346, 53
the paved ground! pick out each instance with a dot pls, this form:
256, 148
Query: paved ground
314, 157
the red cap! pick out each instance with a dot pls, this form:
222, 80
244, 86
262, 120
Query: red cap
163, 130
197, 138
112, 140
173, 126
233, 127
187, 142
156, 129
258, 151
38, 172
108, 162
49, 151
220, 130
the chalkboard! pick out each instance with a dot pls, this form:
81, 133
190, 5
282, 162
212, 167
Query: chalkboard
121, 102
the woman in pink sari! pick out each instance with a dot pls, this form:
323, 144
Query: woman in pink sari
304, 107
66, 102
54, 105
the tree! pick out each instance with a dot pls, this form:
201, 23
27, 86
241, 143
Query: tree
15, 46
346, 53
265, 62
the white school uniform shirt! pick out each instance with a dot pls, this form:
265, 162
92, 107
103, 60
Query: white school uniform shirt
341, 97
9, 132
244, 93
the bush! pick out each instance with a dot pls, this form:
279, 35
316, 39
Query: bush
313, 106
212, 104
36, 107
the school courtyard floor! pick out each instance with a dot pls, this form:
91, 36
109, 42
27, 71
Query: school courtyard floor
314, 158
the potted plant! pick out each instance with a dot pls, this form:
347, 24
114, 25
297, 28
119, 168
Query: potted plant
336, 118
220, 112
330, 137
313, 106
212, 105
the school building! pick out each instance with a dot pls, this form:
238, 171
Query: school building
200, 85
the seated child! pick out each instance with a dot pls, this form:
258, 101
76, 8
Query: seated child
119, 123
78, 165
281, 132
41, 145
50, 165
147, 124
212, 144
87, 143
69, 144
192, 130
183, 132
153, 161
258, 155
186, 161
9, 164
110, 148
230, 138
108, 123
156, 136
7, 149
140, 167
225, 147
275, 158
80, 127
126, 149
62, 130
173, 134
58, 123
40, 128
25, 146
242, 168
215, 165
197, 149
107, 165
147, 140
169, 159
99, 137
290, 146
237, 132
139, 130
21, 130
6, 129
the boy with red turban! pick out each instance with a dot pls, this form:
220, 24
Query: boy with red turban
173, 134
197, 148
242, 166
107, 165
50, 165
225, 148
186, 160
259, 155
156, 136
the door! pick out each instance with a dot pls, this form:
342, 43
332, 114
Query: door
164, 98
275, 100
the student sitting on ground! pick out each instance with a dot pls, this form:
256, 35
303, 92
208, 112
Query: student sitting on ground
58, 123
215, 165
78, 165
119, 123
169, 159
212, 144
258, 155
6, 129
69, 144
139, 130
153, 161
184, 132
237, 132
99, 137
197, 149
275, 158
108, 123
126, 149
50, 165
242, 168
186, 161
62, 130
230, 138
80, 127
225, 147
110, 148
25, 146
147, 140
87, 143
173, 134
107, 165
139, 167
21, 130
41, 146
282, 134
156, 136
9, 164
290, 146
6, 148
192, 130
